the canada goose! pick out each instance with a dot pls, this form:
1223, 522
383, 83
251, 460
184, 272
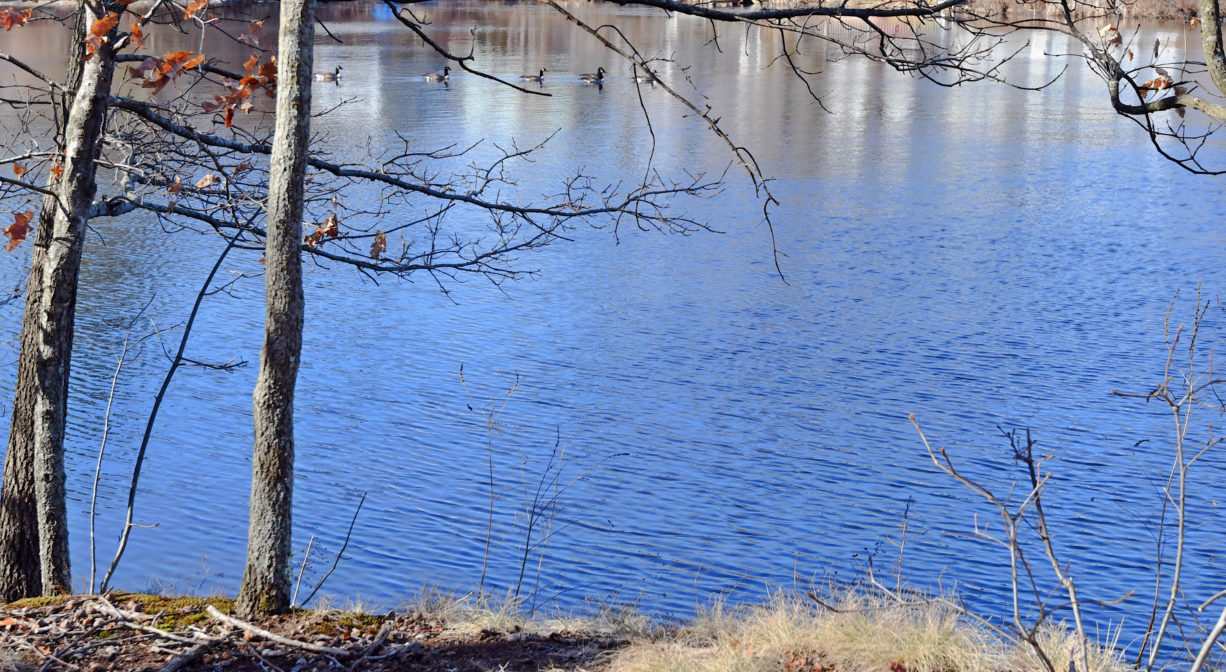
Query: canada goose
333, 76
645, 79
534, 78
439, 76
597, 78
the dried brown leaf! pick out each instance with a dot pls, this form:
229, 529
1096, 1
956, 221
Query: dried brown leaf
379, 246
18, 230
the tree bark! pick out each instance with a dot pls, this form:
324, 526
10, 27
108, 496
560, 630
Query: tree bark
33, 511
1210, 17
267, 577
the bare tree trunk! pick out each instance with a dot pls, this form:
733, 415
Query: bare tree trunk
1211, 41
33, 511
267, 577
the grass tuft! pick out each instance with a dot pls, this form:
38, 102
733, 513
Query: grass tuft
470, 614
857, 631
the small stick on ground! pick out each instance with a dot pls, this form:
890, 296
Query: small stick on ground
127, 621
284, 641
190, 656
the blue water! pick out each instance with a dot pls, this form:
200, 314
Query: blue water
685, 422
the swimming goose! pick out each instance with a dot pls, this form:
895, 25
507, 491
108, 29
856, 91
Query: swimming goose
534, 78
597, 78
439, 76
333, 76
645, 79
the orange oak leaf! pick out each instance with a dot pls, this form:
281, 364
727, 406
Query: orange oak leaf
136, 37
18, 169
268, 73
176, 186
1162, 81
379, 246
155, 73
13, 18
104, 25
194, 8
57, 170
257, 77
98, 33
330, 228
207, 181
1111, 35
18, 230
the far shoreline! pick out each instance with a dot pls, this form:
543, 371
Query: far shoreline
1149, 10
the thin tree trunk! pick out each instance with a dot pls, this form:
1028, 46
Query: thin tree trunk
267, 578
33, 512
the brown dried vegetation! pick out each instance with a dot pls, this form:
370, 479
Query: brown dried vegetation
124, 631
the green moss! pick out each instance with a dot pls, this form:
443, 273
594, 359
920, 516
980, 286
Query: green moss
176, 612
192, 619
102, 634
334, 623
152, 604
36, 602
351, 619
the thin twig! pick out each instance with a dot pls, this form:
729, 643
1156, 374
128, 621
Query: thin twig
106, 429
339, 553
302, 569
157, 404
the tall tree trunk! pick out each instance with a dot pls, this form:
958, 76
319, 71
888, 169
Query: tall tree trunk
266, 579
33, 511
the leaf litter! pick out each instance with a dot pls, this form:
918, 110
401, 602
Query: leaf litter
127, 631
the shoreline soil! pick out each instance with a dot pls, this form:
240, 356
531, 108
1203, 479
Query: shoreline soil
125, 631
842, 629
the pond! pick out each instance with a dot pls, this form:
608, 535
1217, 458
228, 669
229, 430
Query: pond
672, 419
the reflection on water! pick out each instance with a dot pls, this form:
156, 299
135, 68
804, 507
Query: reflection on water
976, 256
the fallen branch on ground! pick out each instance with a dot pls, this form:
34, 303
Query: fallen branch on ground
273, 637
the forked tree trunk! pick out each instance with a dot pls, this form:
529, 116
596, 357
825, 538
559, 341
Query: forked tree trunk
33, 512
266, 579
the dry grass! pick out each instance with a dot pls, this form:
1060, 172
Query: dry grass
859, 632
471, 614
849, 630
